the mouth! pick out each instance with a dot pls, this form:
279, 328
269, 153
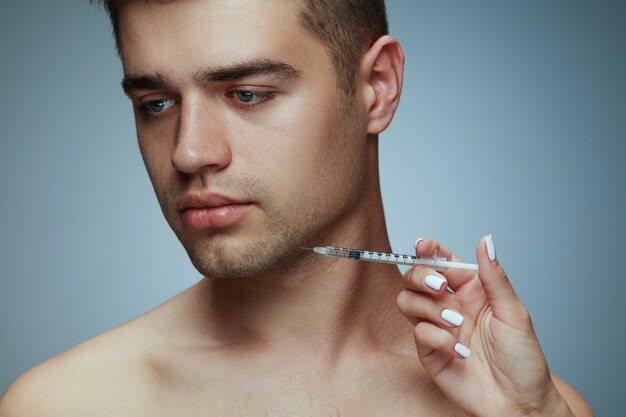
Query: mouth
212, 211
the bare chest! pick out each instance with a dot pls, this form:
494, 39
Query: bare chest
305, 403
276, 393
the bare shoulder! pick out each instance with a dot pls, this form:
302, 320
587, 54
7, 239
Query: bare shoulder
110, 374
574, 400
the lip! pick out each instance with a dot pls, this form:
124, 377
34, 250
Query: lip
212, 211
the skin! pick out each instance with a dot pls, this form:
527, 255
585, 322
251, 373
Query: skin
296, 334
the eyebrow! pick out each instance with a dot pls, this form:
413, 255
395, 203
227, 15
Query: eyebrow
248, 69
131, 83
258, 67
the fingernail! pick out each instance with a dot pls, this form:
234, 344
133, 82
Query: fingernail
418, 241
434, 281
462, 350
452, 317
491, 249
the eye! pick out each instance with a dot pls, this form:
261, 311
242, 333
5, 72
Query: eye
251, 98
160, 105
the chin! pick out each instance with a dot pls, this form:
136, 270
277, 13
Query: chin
224, 259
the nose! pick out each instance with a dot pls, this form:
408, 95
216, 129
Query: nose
202, 142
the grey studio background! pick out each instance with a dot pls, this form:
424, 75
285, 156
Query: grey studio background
512, 122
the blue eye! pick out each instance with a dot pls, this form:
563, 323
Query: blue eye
158, 106
245, 96
251, 98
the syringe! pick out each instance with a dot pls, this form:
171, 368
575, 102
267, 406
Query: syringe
435, 262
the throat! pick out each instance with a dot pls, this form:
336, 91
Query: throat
338, 305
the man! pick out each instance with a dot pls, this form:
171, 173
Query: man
258, 123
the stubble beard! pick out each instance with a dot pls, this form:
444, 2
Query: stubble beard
257, 255
225, 256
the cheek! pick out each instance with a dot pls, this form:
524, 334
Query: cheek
156, 145
300, 144
310, 158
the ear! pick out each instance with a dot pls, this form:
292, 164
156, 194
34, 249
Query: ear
381, 71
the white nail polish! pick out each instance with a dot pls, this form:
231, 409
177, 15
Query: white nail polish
462, 350
491, 248
452, 317
417, 242
434, 281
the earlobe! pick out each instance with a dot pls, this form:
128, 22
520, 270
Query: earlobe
382, 69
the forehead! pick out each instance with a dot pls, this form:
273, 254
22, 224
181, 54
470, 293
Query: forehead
154, 35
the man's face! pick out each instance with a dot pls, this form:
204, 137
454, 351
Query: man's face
242, 129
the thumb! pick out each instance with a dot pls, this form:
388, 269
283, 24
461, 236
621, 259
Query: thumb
505, 304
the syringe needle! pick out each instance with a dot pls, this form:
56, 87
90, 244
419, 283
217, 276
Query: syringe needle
389, 258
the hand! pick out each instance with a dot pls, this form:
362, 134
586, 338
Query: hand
478, 344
